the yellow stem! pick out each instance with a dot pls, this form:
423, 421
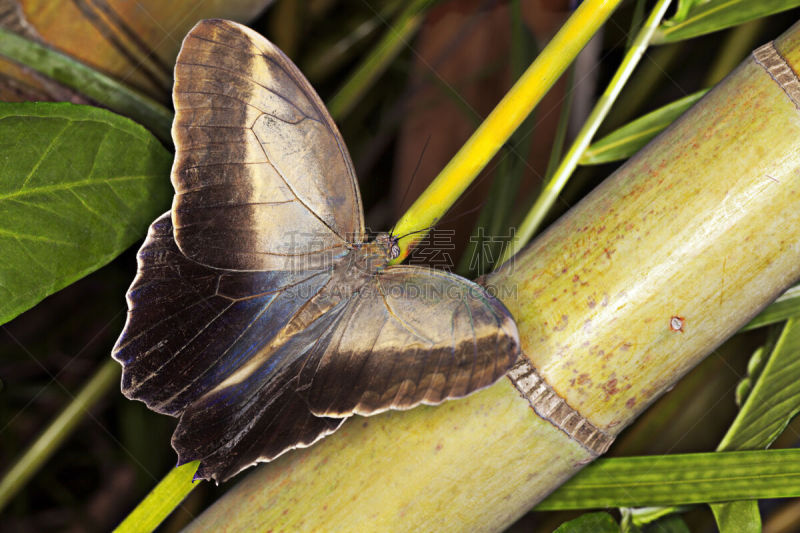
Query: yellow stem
551, 190
451, 182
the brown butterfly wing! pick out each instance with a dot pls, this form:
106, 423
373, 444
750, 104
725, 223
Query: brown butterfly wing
191, 327
255, 419
411, 336
262, 178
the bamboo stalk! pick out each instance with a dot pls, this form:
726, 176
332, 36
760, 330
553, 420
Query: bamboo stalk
624, 294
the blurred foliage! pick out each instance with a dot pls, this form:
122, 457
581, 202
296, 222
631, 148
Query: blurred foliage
437, 86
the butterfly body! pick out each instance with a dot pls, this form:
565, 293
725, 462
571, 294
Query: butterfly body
260, 316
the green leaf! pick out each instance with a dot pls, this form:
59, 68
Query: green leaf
89, 82
683, 9
78, 185
670, 524
769, 406
737, 517
773, 401
590, 523
680, 479
786, 306
698, 18
628, 139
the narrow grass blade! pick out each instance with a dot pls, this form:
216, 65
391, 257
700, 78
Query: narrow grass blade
737, 44
162, 500
555, 185
495, 219
393, 42
59, 429
327, 55
680, 479
630, 138
503, 120
715, 15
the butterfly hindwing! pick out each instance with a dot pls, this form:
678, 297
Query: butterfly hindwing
411, 336
255, 417
263, 180
190, 328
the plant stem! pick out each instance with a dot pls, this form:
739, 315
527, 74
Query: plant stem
476, 153
395, 39
102, 89
58, 430
553, 188
162, 500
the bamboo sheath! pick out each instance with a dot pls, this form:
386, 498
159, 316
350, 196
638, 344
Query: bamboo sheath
630, 289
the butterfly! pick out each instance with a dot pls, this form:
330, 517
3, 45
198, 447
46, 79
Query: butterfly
260, 316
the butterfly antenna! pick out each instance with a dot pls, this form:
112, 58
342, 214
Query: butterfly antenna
413, 232
413, 175
465, 213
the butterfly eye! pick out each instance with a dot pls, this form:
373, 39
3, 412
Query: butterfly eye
395, 252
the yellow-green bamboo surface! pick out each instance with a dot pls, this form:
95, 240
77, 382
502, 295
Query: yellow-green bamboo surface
697, 232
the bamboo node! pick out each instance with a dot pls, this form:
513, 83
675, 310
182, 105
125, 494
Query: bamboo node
546, 403
779, 70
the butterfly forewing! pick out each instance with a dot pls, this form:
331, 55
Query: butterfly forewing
262, 178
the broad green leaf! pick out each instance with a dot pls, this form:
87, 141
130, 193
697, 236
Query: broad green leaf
628, 139
78, 185
769, 406
714, 15
680, 479
774, 399
590, 523
786, 306
737, 517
